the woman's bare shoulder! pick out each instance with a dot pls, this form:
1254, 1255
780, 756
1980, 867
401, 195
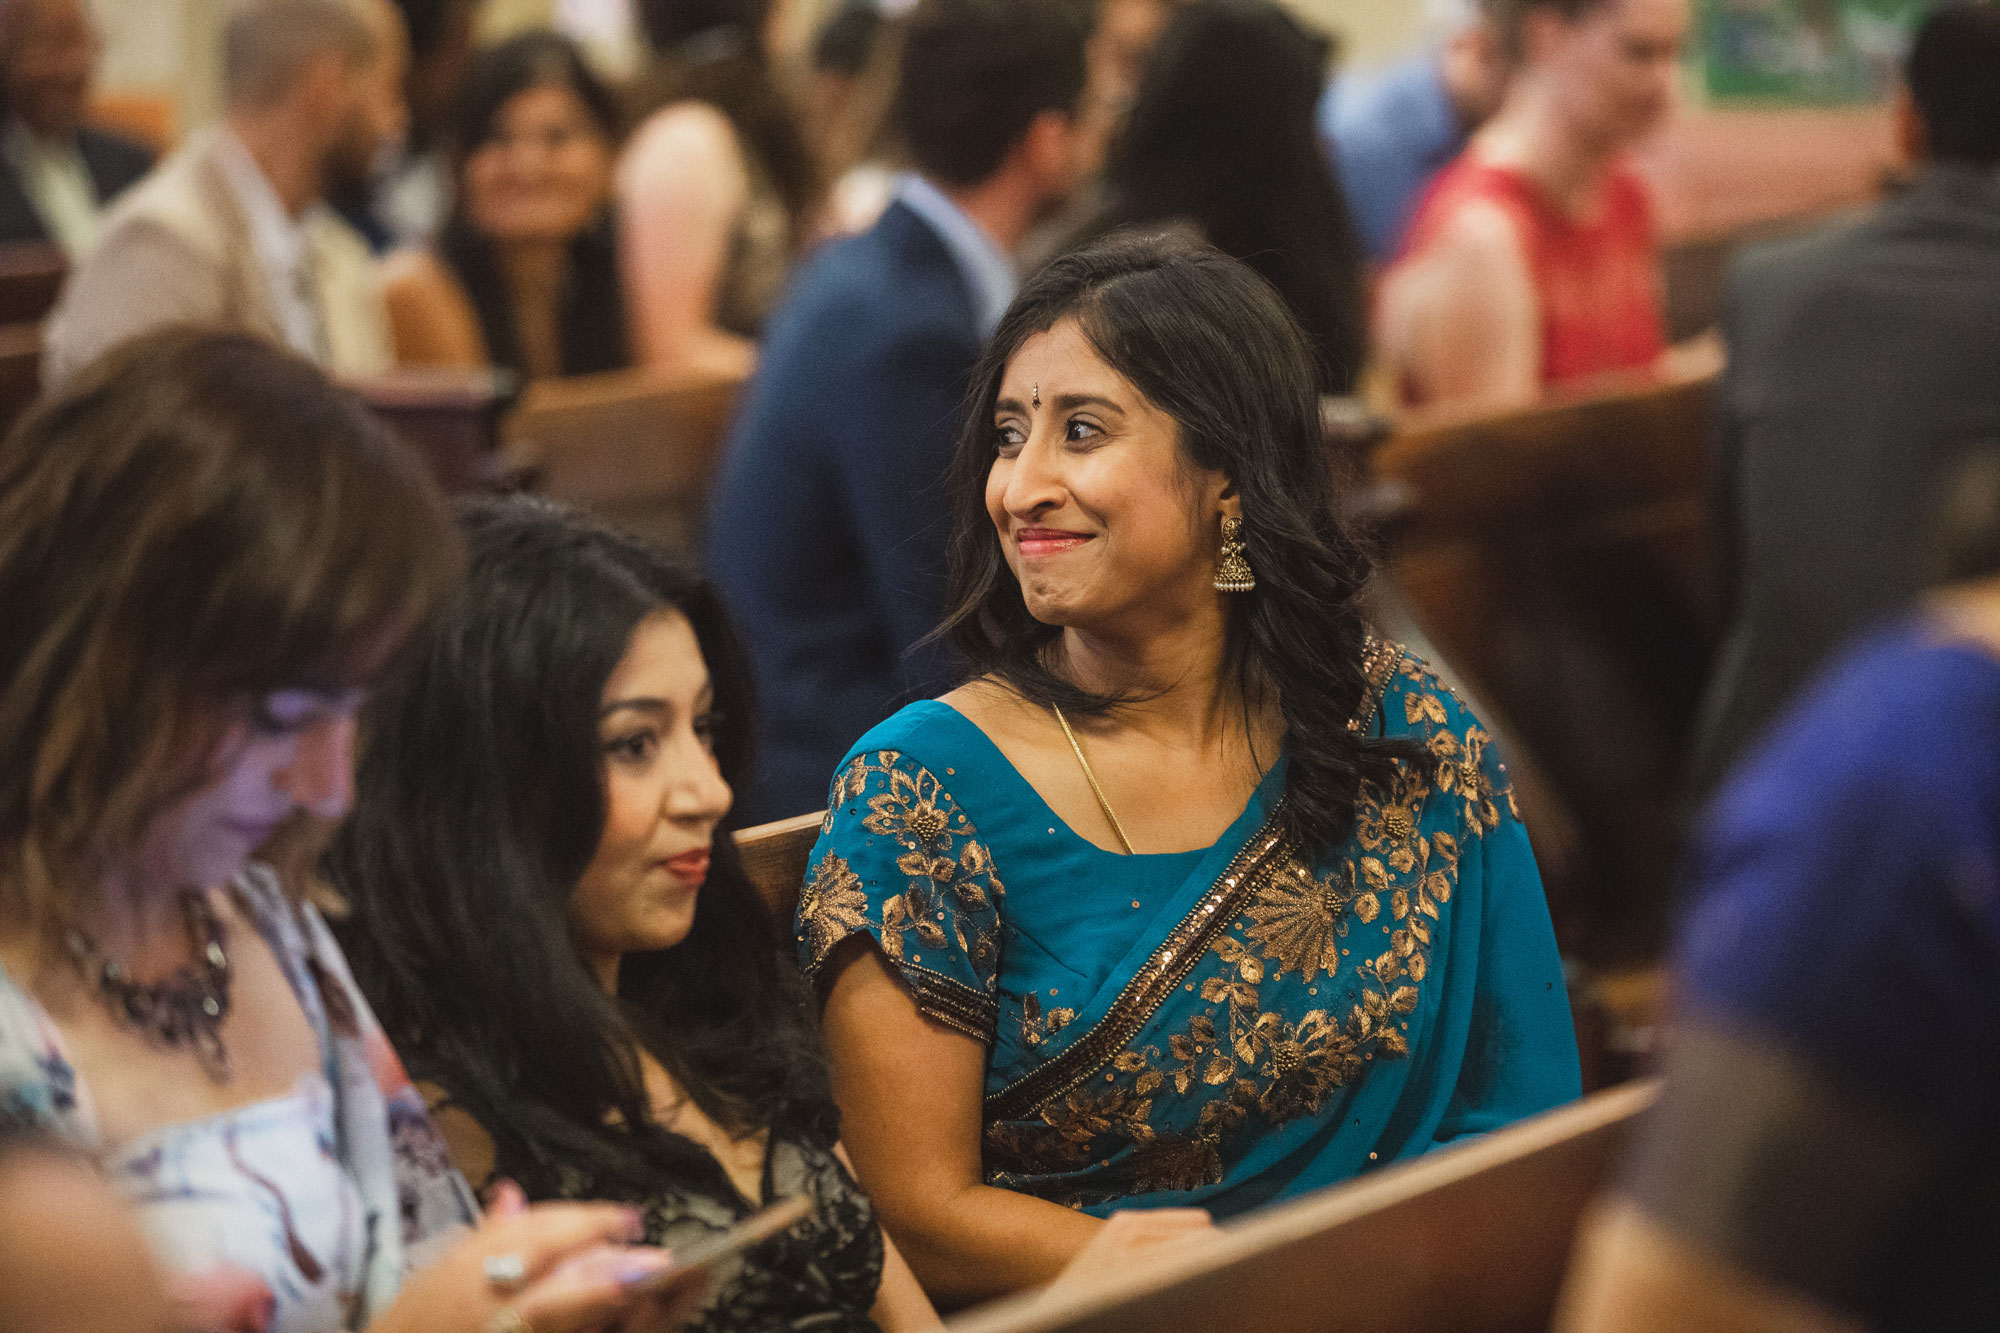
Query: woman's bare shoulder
993, 706
681, 138
431, 319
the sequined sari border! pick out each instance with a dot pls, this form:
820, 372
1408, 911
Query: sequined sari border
944, 999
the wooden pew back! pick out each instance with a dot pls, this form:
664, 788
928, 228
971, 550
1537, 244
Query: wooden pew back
32, 274
1695, 269
20, 371
451, 417
774, 859
1559, 559
635, 446
1469, 1239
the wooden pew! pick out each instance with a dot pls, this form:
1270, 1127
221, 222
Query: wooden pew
20, 371
32, 274
636, 446
1559, 559
774, 859
451, 417
1470, 1239
1696, 269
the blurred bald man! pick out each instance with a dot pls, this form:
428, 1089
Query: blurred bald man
233, 229
56, 173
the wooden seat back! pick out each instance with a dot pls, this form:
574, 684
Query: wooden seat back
1695, 270
774, 860
1559, 560
451, 417
1469, 1239
636, 446
32, 274
20, 371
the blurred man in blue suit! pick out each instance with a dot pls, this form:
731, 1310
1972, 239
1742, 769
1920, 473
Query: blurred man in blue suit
828, 527
1392, 130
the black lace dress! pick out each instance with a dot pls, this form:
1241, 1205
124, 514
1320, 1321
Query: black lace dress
820, 1276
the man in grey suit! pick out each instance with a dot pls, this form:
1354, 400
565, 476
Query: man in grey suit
1864, 361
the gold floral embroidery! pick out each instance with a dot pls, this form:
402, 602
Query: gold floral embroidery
1036, 1026
1462, 759
1298, 920
943, 905
1283, 1069
831, 906
1176, 1162
938, 863
1173, 960
1020, 1152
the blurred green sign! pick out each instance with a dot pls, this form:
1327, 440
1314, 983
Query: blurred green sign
1806, 51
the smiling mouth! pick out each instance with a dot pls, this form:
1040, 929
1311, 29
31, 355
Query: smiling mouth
1037, 542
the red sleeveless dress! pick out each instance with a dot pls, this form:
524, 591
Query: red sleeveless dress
1598, 281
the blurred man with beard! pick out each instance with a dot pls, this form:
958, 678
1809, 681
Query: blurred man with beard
233, 228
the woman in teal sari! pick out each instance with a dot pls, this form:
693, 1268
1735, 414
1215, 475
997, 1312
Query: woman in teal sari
1198, 895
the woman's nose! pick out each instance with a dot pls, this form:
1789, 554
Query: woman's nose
698, 790
320, 776
1035, 481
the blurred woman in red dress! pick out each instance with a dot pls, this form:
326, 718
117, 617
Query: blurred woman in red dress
1531, 260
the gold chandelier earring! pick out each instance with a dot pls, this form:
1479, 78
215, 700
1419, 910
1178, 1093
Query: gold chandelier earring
1232, 569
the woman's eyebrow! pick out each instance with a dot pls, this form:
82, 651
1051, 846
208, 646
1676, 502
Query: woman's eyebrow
1009, 405
635, 705
1070, 401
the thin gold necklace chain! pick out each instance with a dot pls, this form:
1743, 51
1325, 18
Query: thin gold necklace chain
1091, 778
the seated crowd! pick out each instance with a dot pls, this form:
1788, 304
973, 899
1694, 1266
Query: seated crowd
376, 950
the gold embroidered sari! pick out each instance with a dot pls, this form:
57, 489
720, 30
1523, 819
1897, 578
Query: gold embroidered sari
1220, 1027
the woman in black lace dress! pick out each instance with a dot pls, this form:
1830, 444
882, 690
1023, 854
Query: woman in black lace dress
551, 923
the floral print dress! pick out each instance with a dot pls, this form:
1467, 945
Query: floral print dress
326, 1196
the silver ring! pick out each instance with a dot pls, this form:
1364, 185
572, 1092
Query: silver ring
508, 1320
505, 1273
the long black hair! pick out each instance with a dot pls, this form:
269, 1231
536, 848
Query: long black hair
591, 315
1209, 343
479, 804
1222, 135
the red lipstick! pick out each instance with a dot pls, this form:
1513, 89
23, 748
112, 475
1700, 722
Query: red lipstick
1034, 543
689, 867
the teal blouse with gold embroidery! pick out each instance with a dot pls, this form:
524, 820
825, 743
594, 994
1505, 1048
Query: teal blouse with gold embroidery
1221, 1027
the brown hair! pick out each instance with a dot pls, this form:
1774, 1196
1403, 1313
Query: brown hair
1508, 17
199, 518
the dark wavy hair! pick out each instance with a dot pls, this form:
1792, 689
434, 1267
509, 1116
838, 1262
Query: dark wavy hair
503, 71
479, 803
1222, 135
1209, 343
